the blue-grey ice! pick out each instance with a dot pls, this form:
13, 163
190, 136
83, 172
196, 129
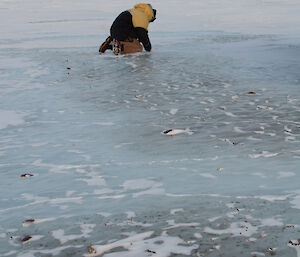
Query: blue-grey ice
86, 168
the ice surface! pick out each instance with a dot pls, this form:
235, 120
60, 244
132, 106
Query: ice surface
223, 78
10, 118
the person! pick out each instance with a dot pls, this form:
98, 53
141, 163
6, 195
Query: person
129, 30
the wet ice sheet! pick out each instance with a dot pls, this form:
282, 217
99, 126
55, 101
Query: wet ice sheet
89, 128
10, 118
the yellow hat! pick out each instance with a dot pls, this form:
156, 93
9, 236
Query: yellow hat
147, 9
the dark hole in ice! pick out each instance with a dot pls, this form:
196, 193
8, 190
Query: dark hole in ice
29, 221
167, 131
26, 238
26, 175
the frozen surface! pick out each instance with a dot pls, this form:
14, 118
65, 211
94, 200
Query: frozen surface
223, 77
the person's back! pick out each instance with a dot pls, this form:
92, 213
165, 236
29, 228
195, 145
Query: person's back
130, 29
122, 28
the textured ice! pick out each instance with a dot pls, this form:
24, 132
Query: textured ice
10, 118
271, 222
223, 78
236, 229
60, 234
139, 184
141, 244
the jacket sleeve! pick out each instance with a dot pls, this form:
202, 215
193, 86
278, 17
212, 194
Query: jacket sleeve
142, 35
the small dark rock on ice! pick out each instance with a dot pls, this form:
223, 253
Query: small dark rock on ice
91, 249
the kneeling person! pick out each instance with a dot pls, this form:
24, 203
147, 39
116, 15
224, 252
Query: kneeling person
129, 30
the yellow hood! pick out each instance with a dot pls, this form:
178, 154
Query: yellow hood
145, 8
